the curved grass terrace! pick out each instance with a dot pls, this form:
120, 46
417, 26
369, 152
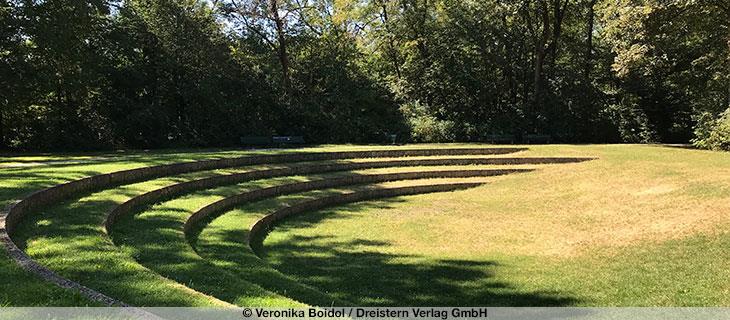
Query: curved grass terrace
556, 225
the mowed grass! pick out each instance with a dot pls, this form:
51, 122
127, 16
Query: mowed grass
643, 225
21, 288
68, 237
156, 239
21, 175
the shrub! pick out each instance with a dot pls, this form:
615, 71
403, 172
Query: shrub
425, 127
630, 121
711, 133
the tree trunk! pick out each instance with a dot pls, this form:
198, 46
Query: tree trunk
540, 54
417, 33
546, 43
3, 146
558, 14
391, 41
282, 53
589, 41
537, 76
509, 73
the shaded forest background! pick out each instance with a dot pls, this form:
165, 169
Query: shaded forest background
102, 74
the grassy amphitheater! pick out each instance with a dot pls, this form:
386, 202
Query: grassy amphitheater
418, 225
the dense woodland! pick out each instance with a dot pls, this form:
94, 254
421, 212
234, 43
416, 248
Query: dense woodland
101, 74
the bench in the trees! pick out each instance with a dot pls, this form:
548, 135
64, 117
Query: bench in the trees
500, 138
537, 138
287, 140
271, 140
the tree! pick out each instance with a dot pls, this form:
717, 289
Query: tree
672, 57
269, 20
158, 73
590, 15
545, 23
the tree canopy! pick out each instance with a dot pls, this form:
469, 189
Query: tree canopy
100, 74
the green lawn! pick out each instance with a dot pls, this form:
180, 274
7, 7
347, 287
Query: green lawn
23, 174
20, 288
642, 225
69, 238
162, 224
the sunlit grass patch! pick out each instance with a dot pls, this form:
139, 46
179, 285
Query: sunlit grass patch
617, 231
641, 225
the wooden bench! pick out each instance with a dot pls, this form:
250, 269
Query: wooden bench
287, 139
271, 140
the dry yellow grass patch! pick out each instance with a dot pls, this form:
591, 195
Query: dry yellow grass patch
562, 210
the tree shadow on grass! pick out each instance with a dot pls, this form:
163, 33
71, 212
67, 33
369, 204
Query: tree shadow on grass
244, 279
360, 271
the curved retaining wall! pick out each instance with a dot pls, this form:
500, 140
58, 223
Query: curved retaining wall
204, 183
263, 226
14, 213
59, 192
220, 206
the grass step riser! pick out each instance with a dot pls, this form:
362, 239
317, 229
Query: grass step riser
190, 186
199, 184
25, 262
14, 214
214, 209
324, 183
263, 226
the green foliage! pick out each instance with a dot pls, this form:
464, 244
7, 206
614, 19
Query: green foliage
671, 56
334, 100
631, 122
713, 134
161, 73
425, 127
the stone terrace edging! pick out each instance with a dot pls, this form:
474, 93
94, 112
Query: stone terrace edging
25, 262
263, 226
15, 212
215, 208
226, 179
199, 184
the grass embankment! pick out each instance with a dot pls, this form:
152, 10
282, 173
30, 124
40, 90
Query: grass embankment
23, 174
69, 239
157, 240
643, 225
